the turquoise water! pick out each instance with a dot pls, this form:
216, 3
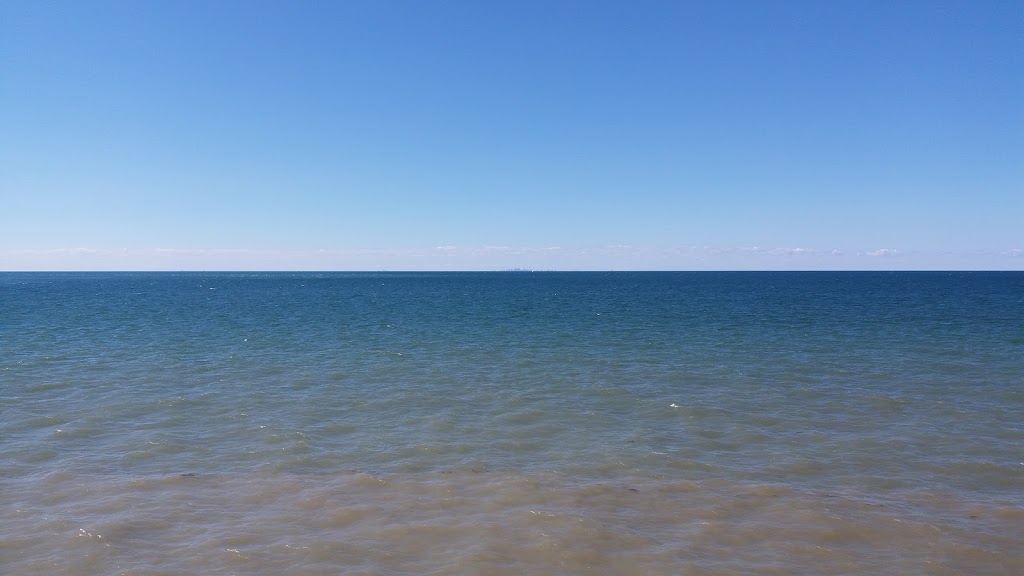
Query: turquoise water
896, 395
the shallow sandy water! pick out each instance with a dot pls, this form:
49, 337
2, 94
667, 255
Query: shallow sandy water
466, 522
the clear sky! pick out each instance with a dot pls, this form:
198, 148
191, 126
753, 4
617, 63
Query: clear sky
481, 135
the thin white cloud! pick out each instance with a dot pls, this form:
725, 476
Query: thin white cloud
795, 251
494, 257
778, 251
49, 252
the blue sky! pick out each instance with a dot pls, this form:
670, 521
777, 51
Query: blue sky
476, 135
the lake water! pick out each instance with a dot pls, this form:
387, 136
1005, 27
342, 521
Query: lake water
512, 423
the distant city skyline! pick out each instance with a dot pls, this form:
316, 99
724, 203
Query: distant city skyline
598, 135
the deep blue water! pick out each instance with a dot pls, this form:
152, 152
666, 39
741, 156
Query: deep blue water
866, 380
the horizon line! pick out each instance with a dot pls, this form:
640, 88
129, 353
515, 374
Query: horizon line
507, 271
